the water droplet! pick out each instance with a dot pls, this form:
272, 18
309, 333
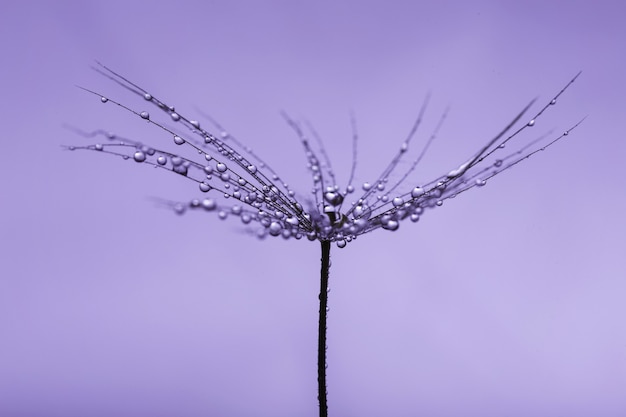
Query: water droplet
553, 102
415, 217
460, 170
147, 96
531, 123
139, 156
98, 147
417, 191
439, 203
366, 186
175, 116
566, 133
161, 160
104, 99
398, 201
145, 115
391, 225
178, 140
195, 123
340, 244
222, 215
480, 182
221, 167
209, 204
275, 228
404, 147
380, 186
350, 189
333, 198
362, 211
179, 208
204, 187
252, 169
498, 163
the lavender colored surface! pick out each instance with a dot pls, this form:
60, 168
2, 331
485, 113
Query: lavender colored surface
508, 300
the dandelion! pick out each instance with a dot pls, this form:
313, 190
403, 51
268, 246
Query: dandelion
239, 184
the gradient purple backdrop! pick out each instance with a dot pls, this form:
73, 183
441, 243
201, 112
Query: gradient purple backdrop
508, 300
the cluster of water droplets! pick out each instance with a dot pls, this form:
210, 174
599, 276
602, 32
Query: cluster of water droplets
241, 185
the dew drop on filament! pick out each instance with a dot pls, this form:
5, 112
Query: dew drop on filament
139, 156
417, 191
145, 115
204, 187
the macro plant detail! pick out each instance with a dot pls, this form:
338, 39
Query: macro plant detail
239, 183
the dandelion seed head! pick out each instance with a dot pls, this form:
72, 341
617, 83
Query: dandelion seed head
227, 170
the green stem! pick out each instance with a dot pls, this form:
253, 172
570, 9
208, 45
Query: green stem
321, 334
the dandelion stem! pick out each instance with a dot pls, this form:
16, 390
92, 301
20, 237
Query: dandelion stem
321, 346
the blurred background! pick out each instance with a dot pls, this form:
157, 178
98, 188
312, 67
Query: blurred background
508, 300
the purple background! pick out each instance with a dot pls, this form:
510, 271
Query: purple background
508, 300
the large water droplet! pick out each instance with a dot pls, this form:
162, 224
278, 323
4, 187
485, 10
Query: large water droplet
531, 123
417, 191
147, 96
362, 211
204, 187
479, 182
252, 169
398, 201
221, 167
195, 123
209, 204
175, 116
98, 147
104, 99
139, 156
366, 186
275, 228
161, 160
145, 115
333, 198
391, 225
178, 140
340, 244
